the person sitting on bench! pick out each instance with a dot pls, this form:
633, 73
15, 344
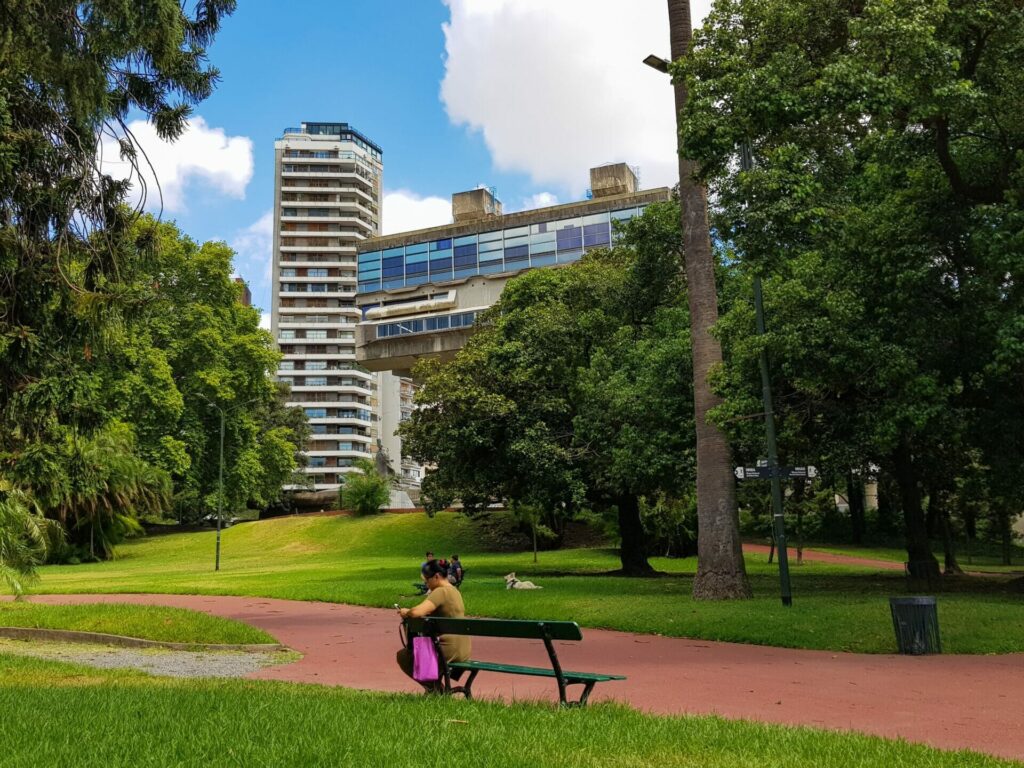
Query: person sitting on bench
455, 571
445, 601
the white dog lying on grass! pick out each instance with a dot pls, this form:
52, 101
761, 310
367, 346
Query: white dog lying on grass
511, 582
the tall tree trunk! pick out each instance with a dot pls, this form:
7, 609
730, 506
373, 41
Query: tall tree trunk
633, 550
721, 573
948, 547
919, 551
931, 521
1006, 534
799, 493
855, 498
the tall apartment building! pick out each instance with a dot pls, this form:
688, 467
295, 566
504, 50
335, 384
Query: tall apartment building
327, 194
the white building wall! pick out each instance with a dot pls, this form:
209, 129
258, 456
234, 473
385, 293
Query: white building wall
327, 191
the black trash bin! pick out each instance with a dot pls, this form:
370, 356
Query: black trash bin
916, 622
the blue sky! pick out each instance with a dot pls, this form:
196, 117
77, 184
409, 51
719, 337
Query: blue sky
524, 95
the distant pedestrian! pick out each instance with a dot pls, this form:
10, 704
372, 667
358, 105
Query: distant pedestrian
455, 571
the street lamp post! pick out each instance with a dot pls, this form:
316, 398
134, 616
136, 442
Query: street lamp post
220, 473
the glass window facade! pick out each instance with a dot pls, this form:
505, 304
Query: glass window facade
503, 250
426, 324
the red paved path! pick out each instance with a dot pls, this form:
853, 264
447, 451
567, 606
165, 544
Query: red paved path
974, 702
813, 555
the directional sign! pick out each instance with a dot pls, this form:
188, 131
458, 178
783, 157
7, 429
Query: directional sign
808, 472
753, 473
767, 473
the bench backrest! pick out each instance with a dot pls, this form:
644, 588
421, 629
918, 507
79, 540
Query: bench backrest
532, 630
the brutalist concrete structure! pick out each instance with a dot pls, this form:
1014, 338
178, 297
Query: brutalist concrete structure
420, 292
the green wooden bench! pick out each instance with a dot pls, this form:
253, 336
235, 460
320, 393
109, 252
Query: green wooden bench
546, 631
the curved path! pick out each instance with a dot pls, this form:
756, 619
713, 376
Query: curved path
951, 702
813, 555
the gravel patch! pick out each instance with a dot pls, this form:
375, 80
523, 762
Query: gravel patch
153, 661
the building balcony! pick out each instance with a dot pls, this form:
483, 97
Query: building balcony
340, 454
285, 313
346, 420
342, 388
307, 356
354, 220
362, 189
320, 294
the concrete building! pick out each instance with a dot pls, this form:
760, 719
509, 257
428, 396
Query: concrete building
327, 192
245, 297
420, 292
394, 405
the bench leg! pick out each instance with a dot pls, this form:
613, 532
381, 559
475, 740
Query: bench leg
587, 688
467, 689
584, 696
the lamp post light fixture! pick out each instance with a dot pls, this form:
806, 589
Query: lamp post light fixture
654, 61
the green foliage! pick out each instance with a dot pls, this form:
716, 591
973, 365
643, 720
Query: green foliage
885, 212
671, 525
23, 539
576, 391
365, 490
113, 328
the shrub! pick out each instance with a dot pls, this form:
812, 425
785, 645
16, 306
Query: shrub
365, 491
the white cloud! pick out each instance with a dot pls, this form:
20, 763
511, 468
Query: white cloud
539, 200
265, 321
253, 247
201, 156
403, 211
557, 88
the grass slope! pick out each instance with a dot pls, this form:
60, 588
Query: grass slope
373, 561
140, 721
174, 625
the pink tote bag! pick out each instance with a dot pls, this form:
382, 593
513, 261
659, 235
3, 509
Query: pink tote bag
425, 668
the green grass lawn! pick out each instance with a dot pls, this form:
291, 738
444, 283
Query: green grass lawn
374, 561
135, 720
174, 625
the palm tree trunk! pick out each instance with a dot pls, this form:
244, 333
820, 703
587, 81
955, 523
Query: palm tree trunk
720, 570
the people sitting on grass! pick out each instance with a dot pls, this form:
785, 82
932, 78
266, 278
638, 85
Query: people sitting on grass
444, 601
455, 571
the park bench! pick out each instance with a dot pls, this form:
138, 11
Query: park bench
546, 631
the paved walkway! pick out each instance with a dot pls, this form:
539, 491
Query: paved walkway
951, 702
814, 556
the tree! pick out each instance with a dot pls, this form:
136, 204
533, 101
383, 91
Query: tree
885, 209
211, 350
574, 392
721, 573
23, 539
365, 490
73, 275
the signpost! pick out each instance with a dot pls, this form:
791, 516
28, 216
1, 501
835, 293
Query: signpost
778, 521
765, 472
